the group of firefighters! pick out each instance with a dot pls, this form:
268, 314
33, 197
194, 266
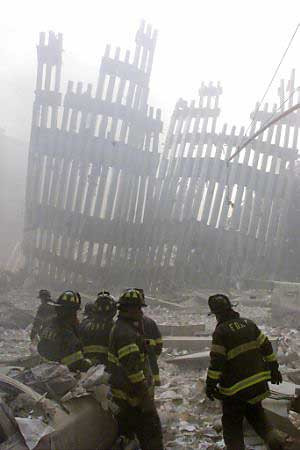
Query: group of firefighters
118, 335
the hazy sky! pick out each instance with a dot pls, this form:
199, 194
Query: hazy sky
236, 42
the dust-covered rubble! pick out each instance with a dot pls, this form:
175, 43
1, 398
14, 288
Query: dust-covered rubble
189, 419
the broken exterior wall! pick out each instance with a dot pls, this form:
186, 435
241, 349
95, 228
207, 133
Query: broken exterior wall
225, 222
103, 204
290, 257
92, 166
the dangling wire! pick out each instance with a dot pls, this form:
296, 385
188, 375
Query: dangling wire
240, 146
273, 77
267, 123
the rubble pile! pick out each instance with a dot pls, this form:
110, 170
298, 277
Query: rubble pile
16, 315
189, 419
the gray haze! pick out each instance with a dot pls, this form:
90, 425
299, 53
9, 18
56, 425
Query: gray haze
236, 42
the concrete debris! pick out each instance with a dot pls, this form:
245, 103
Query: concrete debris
33, 430
79, 423
10, 434
53, 378
189, 420
13, 317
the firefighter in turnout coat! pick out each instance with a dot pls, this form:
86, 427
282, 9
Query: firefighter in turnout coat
94, 331
131, 379
155, 345
242, 362
60, 338
43, 316
154, 342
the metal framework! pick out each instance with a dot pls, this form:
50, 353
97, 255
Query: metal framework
103, 203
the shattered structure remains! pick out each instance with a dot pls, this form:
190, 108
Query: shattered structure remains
227, 219
103, 202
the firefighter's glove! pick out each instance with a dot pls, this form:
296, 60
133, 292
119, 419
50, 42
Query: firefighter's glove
276, 377
212, 392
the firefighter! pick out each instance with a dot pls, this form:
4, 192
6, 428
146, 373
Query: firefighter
44, 314
242, 362
89, 310
94, 330
154, 342
131, 379
155, 345
60, 338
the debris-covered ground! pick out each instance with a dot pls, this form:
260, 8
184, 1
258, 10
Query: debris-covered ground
189, 420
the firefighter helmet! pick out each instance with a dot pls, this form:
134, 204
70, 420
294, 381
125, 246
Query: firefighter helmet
89, 309
219, 303
44, 294
70, 300
141, 291
132, 297
105, 304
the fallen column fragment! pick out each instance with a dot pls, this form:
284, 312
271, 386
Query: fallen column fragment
192, 361
168, 304
182, 330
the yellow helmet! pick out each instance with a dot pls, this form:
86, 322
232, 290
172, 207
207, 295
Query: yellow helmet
132, 297
69, 300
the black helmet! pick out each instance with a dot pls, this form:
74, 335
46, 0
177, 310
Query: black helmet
141, 291
132, 297
219, 303
89, 309
44, 294
69, 300
105, 304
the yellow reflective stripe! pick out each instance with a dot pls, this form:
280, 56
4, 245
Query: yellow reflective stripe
156, 377
214, 374
259, 398
142, 356
127, 349
159, 341
218, 349
271, 358
137, 377
151, 342
261, 339
74, 357
247, 382
117, 393
243, 348
113, 359
95, 349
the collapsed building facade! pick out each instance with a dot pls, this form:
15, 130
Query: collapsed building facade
106, 200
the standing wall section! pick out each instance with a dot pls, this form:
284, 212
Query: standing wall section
223, 222
103, 204
92, 166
